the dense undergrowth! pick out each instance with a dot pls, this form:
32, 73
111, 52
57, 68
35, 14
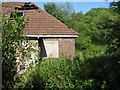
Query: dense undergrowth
100, 72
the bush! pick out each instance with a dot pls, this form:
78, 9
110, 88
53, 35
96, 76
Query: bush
101, 72
12, 35
56, 73
24, 81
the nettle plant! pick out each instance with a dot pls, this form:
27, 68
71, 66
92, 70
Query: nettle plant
15, 47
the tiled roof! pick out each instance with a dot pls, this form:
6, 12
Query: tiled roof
39, 21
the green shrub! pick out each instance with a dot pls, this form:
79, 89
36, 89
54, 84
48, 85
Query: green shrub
55, 73
24, 81
12, 35
105, 71
101, 72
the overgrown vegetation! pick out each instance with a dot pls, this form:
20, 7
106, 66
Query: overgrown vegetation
98, 28
12, 34
97, 62
93, 73
13, 51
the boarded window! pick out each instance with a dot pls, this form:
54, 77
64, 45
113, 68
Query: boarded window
50, 49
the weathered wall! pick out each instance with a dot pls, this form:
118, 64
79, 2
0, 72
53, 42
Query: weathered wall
53, 47
23, 64
35, 49
49, 47
65, 45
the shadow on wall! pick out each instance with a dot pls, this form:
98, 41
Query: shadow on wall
43, 52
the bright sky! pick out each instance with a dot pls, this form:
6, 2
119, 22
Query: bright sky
79, 5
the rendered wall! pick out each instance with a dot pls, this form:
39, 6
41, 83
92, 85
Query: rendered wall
52, 48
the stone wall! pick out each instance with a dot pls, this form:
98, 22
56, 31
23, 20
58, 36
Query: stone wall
30, 57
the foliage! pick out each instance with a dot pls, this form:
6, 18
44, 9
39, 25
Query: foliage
24, 81
12, 48
114, 47
93, 73
115, 6
98, 45
61, 12
103, 70
55, 73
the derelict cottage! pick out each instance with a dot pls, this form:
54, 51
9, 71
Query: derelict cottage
53, 37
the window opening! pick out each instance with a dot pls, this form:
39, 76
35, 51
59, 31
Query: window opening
19, 14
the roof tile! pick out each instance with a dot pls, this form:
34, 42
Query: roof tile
39, 23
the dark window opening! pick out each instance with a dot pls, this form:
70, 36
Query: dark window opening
40, 11
27, 6
19, 14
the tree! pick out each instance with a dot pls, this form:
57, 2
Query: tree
62, 12
101, 21
115, 6
12, 35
